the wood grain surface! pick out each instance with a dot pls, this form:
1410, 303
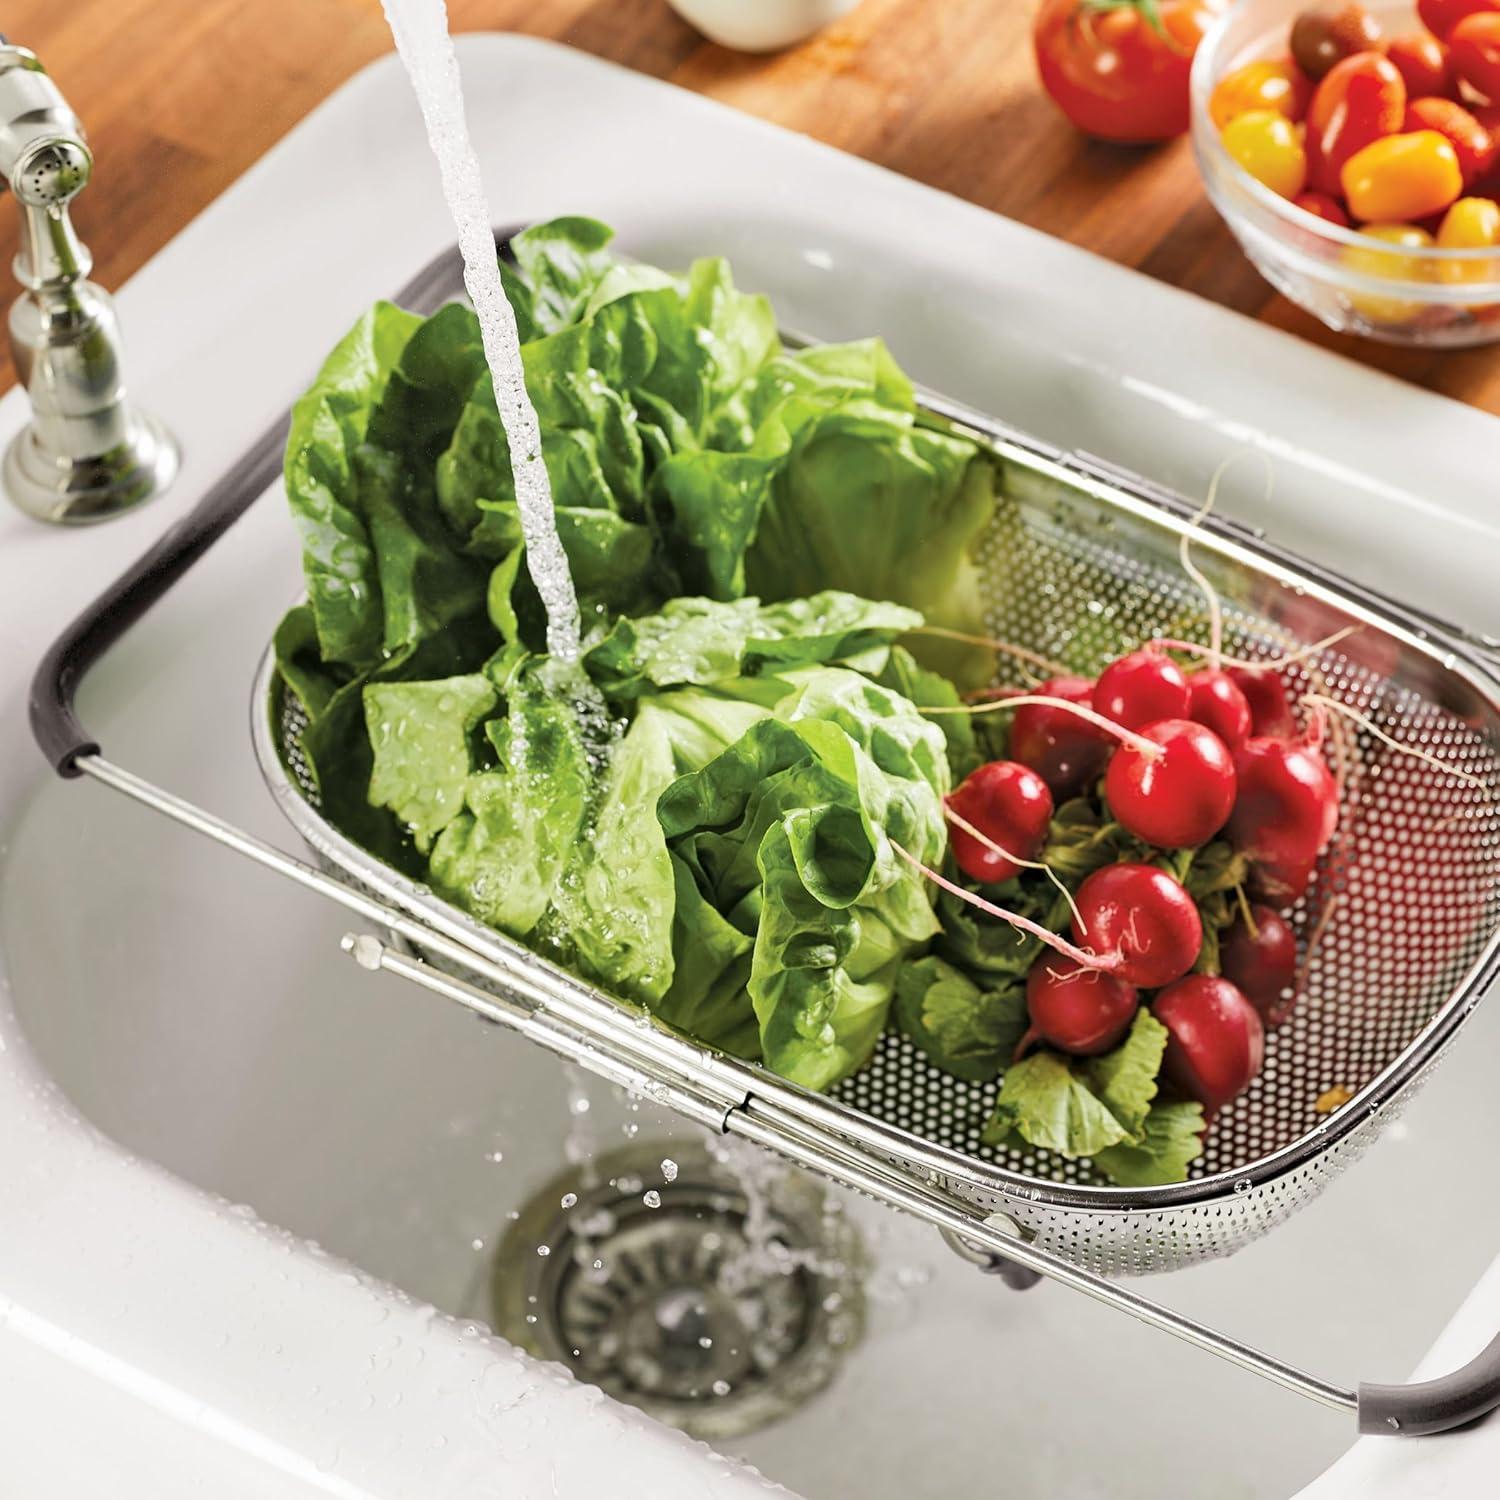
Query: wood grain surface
180, 96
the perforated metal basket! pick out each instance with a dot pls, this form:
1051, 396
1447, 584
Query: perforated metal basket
1073, 567
1079, 563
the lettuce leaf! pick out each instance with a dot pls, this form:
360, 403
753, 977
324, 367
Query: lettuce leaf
703, 641
787, 836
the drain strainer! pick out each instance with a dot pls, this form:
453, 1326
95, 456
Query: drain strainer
712, 1308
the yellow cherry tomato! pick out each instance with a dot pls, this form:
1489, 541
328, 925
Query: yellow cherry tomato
1273, 83
1471, 224
1390, 266
1402, 177
1267, 146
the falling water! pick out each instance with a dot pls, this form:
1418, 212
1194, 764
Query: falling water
420, 28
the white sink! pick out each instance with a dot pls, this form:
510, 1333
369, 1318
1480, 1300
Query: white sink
199, 1013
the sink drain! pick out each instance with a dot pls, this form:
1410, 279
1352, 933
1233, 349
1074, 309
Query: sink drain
712, 1309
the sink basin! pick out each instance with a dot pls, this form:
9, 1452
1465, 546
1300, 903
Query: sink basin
199, 1013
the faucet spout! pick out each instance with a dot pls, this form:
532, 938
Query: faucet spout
88, 452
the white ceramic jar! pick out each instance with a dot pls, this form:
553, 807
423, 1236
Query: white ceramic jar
760, 25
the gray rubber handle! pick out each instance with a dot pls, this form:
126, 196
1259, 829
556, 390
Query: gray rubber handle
1434, 1405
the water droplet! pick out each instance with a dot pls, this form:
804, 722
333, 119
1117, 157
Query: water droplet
652, 1199
669, 1169
722, 1387
569, 1199
704, 1342
476, 1243
544, 1249
1243, 1185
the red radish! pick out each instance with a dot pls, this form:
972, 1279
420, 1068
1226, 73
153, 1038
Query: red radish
1142, 914
1180, 798
1215, 1041
1287, 803
1265, 693
1065, 751
1261, 962
1011, 806
1142, 688
1215, 700
1077, 1010
1281, 882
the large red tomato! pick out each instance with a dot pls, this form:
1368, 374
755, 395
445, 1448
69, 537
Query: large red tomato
1119, 68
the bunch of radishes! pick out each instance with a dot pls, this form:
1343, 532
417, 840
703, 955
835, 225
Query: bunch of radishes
1184, 755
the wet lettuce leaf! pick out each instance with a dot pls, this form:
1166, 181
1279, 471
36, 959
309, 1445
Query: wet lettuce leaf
696, 640
788, 837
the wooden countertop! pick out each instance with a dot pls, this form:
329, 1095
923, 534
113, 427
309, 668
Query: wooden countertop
180, 96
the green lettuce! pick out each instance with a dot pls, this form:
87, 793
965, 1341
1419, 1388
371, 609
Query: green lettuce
788, 837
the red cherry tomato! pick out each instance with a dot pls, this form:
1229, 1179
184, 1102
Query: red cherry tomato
1441, 16
1422, 61
1475, 146
1120, 71
1321, 206
1361, 99
1475, 46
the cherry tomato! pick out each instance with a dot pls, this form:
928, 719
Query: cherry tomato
1475, 45
1275, 83
1441, 16
1387, 264
1121, 72
1321, 206
1402, 177
1475, 146
1361, 99
1327, 34
1423, 63
1471, 224
1265, 144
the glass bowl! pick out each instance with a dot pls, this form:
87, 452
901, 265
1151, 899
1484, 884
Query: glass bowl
1426, 297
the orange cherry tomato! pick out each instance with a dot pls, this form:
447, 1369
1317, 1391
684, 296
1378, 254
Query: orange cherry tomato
1119, 70
1267, 146
1471, 224
1476, 146
1441, 16
1475, 47
1402, 177
1274, 83
1423, 63
1384, 261
1321, 206
1361, 99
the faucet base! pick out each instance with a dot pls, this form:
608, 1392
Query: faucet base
75, 492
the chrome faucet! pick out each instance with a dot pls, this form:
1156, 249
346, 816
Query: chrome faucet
87, 453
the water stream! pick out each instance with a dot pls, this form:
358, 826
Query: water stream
420, 28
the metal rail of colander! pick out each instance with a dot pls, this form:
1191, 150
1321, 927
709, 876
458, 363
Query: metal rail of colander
563, 1015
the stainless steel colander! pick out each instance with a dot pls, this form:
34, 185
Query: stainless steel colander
1079, 563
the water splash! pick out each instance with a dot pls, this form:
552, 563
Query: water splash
420, 29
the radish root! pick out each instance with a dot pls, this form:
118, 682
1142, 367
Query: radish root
1137, 742
959, 821
1322, 704
1269, 664
1082, 956
1184, 553
1021, 653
